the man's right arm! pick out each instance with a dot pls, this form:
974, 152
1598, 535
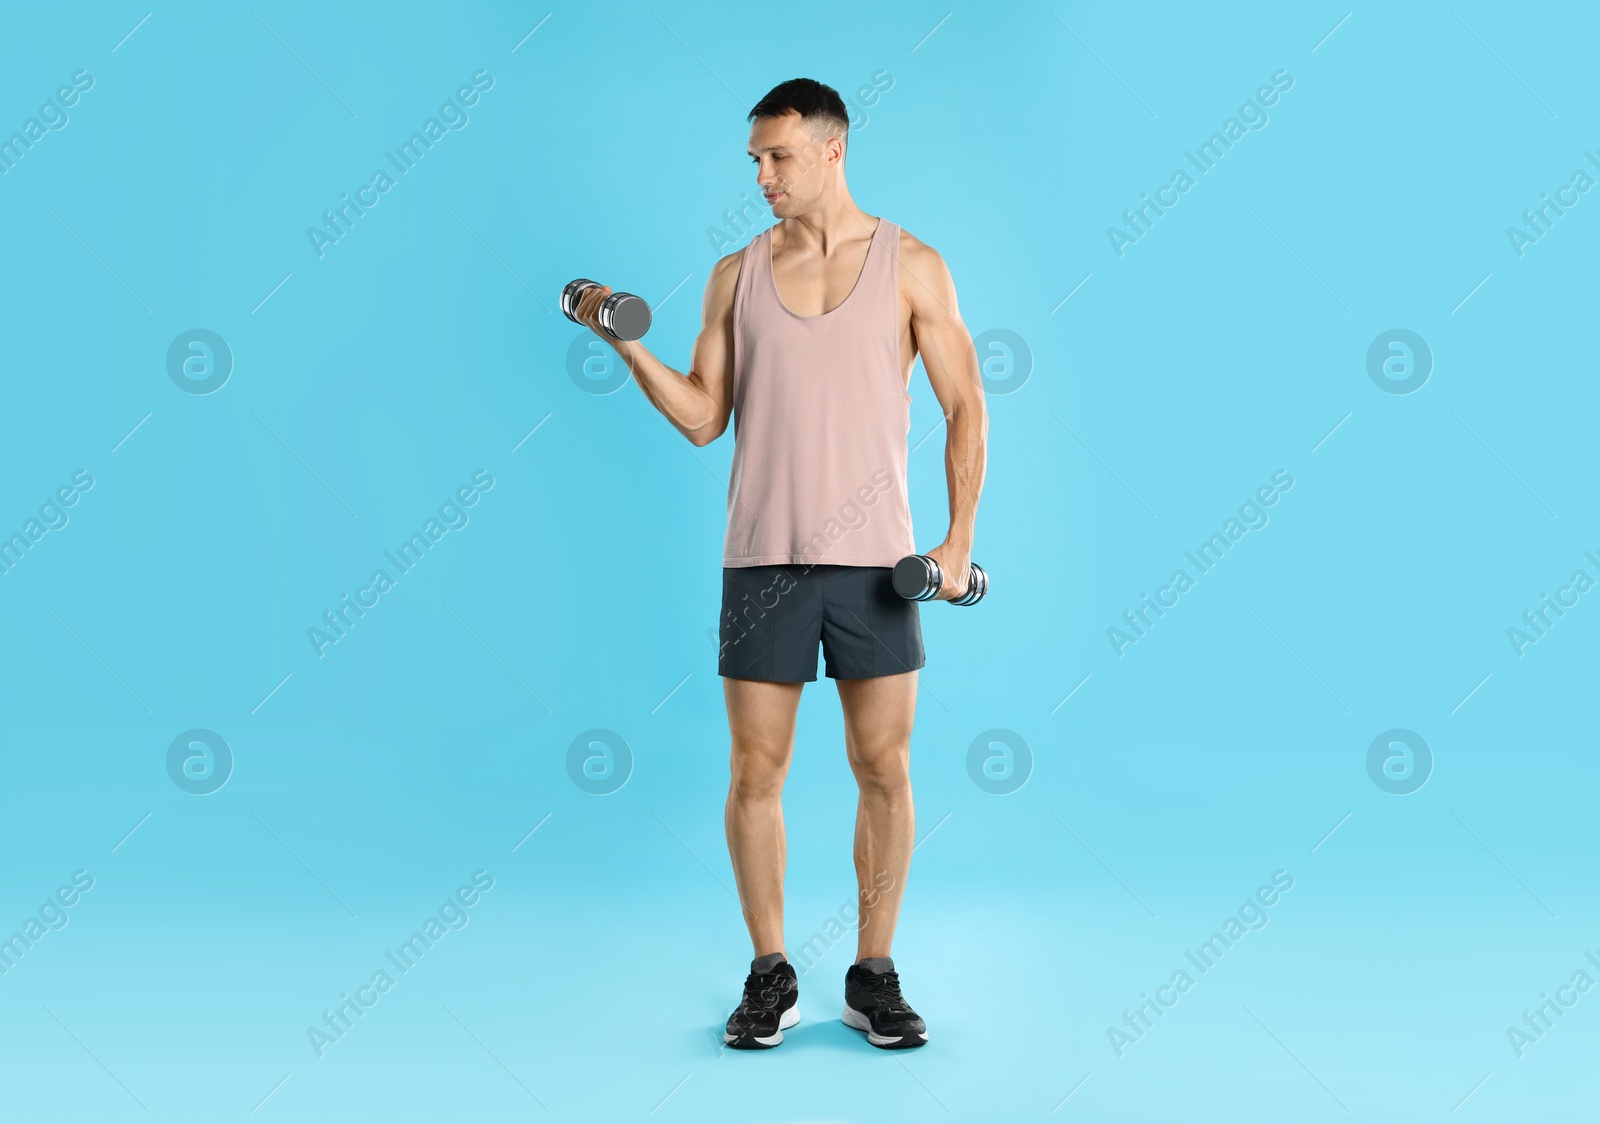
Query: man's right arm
697, 404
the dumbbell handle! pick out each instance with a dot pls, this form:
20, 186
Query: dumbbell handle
917, 577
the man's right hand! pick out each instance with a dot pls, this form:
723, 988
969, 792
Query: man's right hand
588, 310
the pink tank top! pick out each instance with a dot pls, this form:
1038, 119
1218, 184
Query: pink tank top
820, 417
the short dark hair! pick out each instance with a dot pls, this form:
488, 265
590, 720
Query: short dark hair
819, 106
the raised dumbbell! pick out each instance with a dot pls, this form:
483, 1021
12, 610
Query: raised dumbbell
918, 578
623, 316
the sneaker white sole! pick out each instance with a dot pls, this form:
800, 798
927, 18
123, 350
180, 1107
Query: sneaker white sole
785, 1021
857, 1021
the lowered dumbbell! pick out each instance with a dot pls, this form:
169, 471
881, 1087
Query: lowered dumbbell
918, 578
623, 316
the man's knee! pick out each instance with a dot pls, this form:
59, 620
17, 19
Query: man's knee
758, 771
884, 770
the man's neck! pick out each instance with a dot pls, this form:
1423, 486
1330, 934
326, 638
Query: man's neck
825, 229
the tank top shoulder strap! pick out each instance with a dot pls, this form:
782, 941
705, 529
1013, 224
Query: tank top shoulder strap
889, 234
882, 269
753, 266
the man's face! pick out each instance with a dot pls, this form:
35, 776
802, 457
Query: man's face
790, 165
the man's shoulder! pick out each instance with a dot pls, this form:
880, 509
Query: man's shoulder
914, 251
725, 273
722, 285
924, 264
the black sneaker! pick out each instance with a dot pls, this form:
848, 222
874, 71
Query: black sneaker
767, 1009
873, 1003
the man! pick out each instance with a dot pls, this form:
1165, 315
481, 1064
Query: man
809, 338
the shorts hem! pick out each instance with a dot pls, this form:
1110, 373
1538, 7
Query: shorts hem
876, 674
764, 678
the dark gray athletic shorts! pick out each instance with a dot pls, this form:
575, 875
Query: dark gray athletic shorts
773, 617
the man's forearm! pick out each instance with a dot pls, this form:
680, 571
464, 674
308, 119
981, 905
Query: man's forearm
965, 453
680, 401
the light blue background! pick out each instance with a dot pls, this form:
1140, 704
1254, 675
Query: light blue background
1229, 343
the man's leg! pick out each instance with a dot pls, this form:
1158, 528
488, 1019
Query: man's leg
878, 714
761, 719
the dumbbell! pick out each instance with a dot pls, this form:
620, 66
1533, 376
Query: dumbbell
623, 316
918, 578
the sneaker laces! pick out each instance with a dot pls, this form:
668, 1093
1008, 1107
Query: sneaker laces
885, 988
763, 990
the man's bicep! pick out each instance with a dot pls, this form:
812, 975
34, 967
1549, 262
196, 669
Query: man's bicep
711, 367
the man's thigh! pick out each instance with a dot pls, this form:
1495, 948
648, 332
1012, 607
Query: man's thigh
878, 715
761, 720
760, 711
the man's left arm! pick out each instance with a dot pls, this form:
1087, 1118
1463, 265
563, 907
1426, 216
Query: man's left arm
952, 365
